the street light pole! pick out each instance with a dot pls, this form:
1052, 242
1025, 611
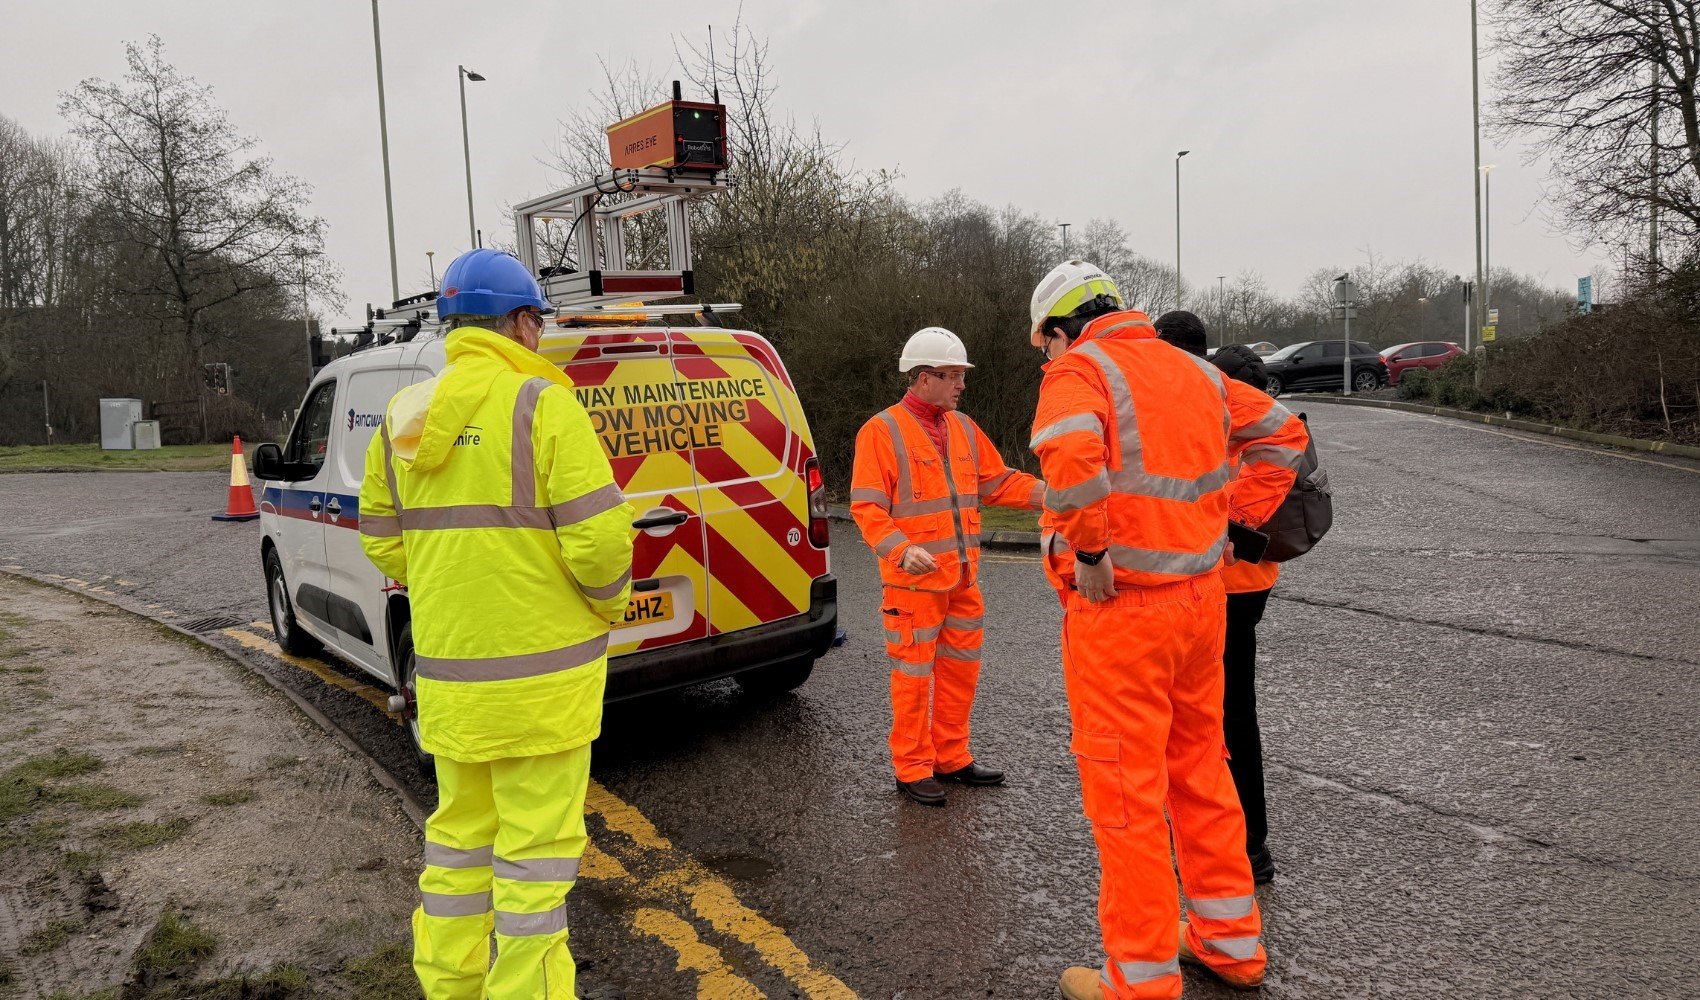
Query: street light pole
1178, 225
464, 75
431, 262
1221, 311
1422, 318
1346, 293
1487, 239
1064, 227
306, 321
384, 138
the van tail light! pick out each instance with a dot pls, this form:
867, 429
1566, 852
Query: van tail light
819, 536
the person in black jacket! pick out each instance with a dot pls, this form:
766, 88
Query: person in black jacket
1248, 586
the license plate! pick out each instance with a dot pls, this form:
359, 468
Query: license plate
646, 609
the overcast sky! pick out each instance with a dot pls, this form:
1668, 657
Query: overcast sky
1318, 129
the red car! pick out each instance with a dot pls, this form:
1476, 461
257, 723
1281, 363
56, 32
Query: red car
1430, 354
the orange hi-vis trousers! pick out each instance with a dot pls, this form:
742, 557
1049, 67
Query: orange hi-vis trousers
1144, 677
933, 640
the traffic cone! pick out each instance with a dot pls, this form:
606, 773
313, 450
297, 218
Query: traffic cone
240, 506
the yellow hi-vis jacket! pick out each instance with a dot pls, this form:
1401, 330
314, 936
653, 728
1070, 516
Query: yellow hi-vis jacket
487, 493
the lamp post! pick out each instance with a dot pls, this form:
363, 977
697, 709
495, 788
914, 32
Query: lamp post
1346, 294
301, 256
431, 262
1178, 225
1487, 237
1064, 227
1221, 311
384, 138
1422, 318
464, 75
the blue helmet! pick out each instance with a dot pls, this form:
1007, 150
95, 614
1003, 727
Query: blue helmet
488, 283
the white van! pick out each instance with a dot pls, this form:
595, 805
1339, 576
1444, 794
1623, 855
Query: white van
708, 441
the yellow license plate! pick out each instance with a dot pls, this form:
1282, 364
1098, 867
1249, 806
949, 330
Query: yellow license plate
646, 609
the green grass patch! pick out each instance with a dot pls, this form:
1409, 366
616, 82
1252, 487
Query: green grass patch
46, 938
82, 864
1004, 519
96, 796
61, 763
385, 974
233, 797
175, 947
24, 787
80, 457
8, 973
140, 835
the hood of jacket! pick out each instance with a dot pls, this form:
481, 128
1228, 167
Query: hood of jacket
427, 417
1127, 324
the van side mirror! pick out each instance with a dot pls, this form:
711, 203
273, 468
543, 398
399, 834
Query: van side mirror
268, 463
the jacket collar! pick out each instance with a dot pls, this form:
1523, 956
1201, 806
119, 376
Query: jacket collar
1127, 324
922, 409
477, 345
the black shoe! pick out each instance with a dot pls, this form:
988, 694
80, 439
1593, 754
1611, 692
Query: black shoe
1262, 866
926, 791
974, 774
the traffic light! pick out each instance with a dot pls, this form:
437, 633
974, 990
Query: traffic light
217, 377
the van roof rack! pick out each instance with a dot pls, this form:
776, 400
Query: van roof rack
602, 276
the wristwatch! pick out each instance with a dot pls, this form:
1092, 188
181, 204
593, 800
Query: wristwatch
1091, 558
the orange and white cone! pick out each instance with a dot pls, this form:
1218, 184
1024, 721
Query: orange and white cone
240, 506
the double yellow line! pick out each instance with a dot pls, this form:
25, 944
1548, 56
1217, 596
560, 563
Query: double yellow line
674, 890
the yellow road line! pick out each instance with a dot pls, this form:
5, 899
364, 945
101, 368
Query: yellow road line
379, 699
713, 900
715, 979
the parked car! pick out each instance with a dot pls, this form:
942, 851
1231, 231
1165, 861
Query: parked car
1319, 365
1430, 354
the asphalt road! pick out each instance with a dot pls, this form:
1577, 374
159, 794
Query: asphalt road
1481, 709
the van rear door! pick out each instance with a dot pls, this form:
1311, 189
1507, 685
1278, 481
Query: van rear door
749, 444
617, 376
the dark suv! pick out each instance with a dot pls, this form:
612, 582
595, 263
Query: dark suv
1319, 365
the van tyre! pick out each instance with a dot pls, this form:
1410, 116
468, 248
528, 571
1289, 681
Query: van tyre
778, 678
405, 659
291, 638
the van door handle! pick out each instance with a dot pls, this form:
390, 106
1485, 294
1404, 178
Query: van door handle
645, 586
667, 520
314, 504
335, 507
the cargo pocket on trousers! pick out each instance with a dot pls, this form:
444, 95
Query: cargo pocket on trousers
1101, 778
899, 626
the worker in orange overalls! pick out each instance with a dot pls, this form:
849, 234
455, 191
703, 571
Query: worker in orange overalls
1135, 439
921, 472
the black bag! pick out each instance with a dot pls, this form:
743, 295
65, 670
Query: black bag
1307, 513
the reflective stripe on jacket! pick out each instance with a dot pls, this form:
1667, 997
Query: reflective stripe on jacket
903, 493
1136, 439
487, 493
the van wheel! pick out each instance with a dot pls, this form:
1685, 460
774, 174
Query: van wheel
290, 636
787, 675
404, 655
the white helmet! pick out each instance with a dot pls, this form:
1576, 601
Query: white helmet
933, 347
1070, 285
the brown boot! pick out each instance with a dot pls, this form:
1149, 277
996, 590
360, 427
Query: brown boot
1190, 957
1081, 984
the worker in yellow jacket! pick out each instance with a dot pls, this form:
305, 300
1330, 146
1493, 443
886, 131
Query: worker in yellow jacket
487, 493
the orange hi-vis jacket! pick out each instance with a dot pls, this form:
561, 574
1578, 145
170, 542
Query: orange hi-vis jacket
903, 493
1247, 577
1137, 440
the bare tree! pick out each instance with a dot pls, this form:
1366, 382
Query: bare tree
196, 216
1608, 90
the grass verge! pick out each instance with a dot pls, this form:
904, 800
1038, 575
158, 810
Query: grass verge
90, 457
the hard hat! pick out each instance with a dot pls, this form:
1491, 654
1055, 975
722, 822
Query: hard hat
488, 283
1070, 285
933, 347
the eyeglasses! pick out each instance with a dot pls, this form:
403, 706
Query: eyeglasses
954, 378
